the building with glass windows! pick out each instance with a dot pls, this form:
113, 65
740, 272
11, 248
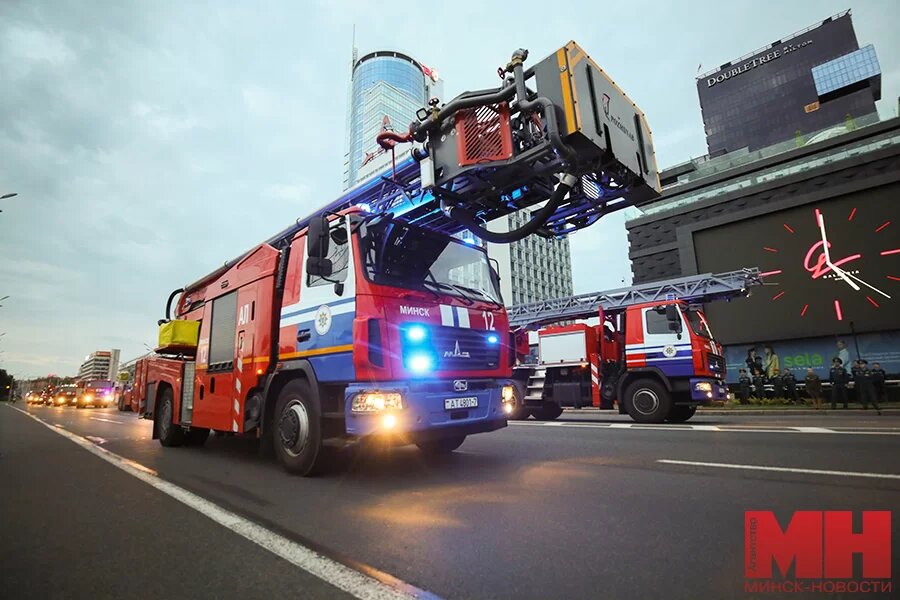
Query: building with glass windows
532, 269
102, 364
813, 79
387, 88
767, 209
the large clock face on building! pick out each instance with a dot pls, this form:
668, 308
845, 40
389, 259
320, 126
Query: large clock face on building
843, 258
830, 268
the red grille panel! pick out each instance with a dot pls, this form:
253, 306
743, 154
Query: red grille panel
483, 134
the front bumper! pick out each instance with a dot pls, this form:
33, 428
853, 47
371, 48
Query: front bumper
717, 390
424, 415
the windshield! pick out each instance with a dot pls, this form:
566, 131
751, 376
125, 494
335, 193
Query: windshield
99, 385
698, 323
399, 255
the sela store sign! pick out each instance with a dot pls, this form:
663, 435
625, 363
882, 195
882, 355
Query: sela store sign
756, 62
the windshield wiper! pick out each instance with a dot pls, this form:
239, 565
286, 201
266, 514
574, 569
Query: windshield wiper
481, 293
448, 286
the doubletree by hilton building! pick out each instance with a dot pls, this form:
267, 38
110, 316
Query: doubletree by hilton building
804, 83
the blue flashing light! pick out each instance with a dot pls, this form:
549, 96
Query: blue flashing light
416, 333
364, 207
493, 338
420, 363
470, 241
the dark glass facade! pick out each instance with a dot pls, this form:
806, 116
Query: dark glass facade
771, 96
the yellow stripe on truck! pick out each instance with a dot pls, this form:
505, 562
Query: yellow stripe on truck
566, 85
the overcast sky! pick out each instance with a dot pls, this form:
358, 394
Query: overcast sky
151, 141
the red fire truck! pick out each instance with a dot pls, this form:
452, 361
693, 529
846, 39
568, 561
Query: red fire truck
652, 350
371, 318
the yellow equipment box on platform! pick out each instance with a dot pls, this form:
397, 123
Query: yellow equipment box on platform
179, 334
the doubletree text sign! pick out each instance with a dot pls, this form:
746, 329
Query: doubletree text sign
820, 546
756, 62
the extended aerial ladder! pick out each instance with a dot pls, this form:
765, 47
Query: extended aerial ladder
693, 289
560, 132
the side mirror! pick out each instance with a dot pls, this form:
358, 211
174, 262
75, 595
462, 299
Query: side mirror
672, 314
317, 237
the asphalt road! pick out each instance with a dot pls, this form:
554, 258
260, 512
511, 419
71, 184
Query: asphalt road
580, 508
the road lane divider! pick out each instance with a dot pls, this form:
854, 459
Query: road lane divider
691, 463
371, 585
708, 428
108, 420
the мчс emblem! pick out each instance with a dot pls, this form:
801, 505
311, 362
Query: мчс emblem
323, 319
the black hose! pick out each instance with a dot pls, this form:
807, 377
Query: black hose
467, 218
169, 303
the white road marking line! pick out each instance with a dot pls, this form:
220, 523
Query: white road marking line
779, 469
340, 576
108, 420
95, 439
706, 428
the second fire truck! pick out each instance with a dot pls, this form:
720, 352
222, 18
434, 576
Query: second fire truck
652, 351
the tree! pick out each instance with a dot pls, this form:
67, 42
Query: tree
6, 384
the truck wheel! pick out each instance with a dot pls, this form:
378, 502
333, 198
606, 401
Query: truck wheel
196, 436
297, 429
441, 446
170, 434
647, 401
680, 414
548, 412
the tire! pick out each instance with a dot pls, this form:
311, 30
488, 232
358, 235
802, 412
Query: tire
647, 401
196, 436
441, 446
120, 405
548, 412
170, 434
297, 429
520, 413
680, 414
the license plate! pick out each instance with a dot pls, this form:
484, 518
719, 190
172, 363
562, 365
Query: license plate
454, 403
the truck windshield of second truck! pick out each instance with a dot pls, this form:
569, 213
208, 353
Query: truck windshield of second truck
409, 257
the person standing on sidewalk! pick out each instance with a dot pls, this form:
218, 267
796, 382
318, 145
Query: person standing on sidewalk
814, 387
772, 363
838, 377
789, 382
863, 381
878, 378
743, 386
777, 384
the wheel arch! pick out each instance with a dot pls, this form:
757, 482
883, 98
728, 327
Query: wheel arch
290, 371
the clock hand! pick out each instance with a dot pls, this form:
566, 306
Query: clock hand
872, 287
839, 271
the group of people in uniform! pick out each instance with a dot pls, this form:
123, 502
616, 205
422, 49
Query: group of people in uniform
868, 383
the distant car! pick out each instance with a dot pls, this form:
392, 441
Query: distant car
70, 398
96, 394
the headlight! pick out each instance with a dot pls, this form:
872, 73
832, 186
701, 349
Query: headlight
703, 386
88, 397
416, 333
376, 401
107, 397
508, 393
420, 363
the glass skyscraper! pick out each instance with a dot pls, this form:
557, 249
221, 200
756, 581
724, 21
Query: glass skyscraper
386, 91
